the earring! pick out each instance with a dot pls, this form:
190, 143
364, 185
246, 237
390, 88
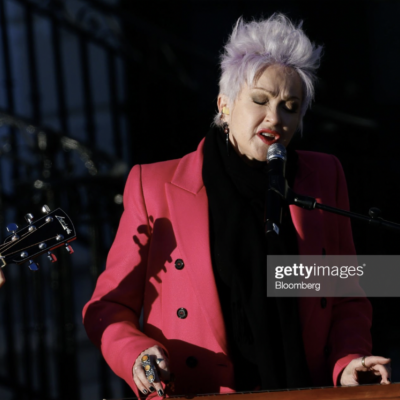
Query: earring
225, 127
225, 110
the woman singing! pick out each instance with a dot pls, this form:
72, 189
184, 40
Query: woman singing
190, 252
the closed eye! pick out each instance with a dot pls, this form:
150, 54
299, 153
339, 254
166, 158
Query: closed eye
261, 103
260, 99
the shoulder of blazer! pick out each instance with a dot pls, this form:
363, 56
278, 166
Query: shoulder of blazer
326, 166
315, 160
185, 172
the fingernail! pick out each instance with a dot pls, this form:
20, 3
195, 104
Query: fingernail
160, 393
144, 391
151, 389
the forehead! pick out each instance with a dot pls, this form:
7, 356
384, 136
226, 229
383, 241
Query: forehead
279, 80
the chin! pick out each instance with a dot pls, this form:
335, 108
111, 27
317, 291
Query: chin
254, 156
261, 156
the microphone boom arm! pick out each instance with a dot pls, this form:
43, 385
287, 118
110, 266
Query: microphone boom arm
309, 203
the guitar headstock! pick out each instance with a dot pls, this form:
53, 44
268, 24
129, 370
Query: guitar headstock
53, 230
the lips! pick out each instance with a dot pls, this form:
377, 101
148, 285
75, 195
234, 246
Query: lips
268, 136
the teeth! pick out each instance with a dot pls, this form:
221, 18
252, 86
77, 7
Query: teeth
268, 135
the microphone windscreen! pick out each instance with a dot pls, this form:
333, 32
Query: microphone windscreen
276, 150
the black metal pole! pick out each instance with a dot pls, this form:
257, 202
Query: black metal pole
12, 367
114, 104
87, 92
60, 82
40, 362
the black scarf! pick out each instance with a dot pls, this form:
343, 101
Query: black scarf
264, 334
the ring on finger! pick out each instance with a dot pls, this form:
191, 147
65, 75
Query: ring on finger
148, 368
150, 375
363, 362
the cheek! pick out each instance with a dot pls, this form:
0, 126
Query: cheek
240, 125
292, 122
245, 121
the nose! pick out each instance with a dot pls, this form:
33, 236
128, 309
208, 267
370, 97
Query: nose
272, 115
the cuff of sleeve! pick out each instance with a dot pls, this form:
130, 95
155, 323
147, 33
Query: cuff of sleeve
340, 365
122, 352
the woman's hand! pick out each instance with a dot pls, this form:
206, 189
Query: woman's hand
356, 373
160, 365
2, 278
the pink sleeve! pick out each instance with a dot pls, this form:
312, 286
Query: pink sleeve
111, 317
352, 317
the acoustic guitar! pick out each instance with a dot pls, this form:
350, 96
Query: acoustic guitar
54, 229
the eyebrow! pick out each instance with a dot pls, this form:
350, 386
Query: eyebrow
274, 94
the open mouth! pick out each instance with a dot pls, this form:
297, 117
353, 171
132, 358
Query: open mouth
268, 137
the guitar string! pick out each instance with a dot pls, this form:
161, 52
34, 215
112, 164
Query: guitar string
24, 236
13, 243
32, 246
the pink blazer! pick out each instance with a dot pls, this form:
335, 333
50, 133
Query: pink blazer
165, 220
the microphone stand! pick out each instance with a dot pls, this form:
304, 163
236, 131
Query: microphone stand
309, 203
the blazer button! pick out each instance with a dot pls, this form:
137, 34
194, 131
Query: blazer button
191, 362
179, 264
323, 252
182, 313
324, 302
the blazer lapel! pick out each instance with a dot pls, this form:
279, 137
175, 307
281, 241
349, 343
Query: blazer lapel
188, 205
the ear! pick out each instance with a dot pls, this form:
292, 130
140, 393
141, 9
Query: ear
223, 107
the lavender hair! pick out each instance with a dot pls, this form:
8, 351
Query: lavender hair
255, 45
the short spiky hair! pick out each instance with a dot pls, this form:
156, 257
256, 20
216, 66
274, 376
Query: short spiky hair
255, 45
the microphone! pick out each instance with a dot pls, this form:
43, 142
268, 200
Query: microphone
276, 159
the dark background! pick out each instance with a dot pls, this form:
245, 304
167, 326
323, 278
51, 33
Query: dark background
90, 88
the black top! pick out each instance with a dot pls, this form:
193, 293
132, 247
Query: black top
264, 334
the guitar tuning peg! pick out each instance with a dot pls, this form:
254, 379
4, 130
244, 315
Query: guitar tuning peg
69, 248
51, 257
33, 266
45, 209
29, 218
12, 227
